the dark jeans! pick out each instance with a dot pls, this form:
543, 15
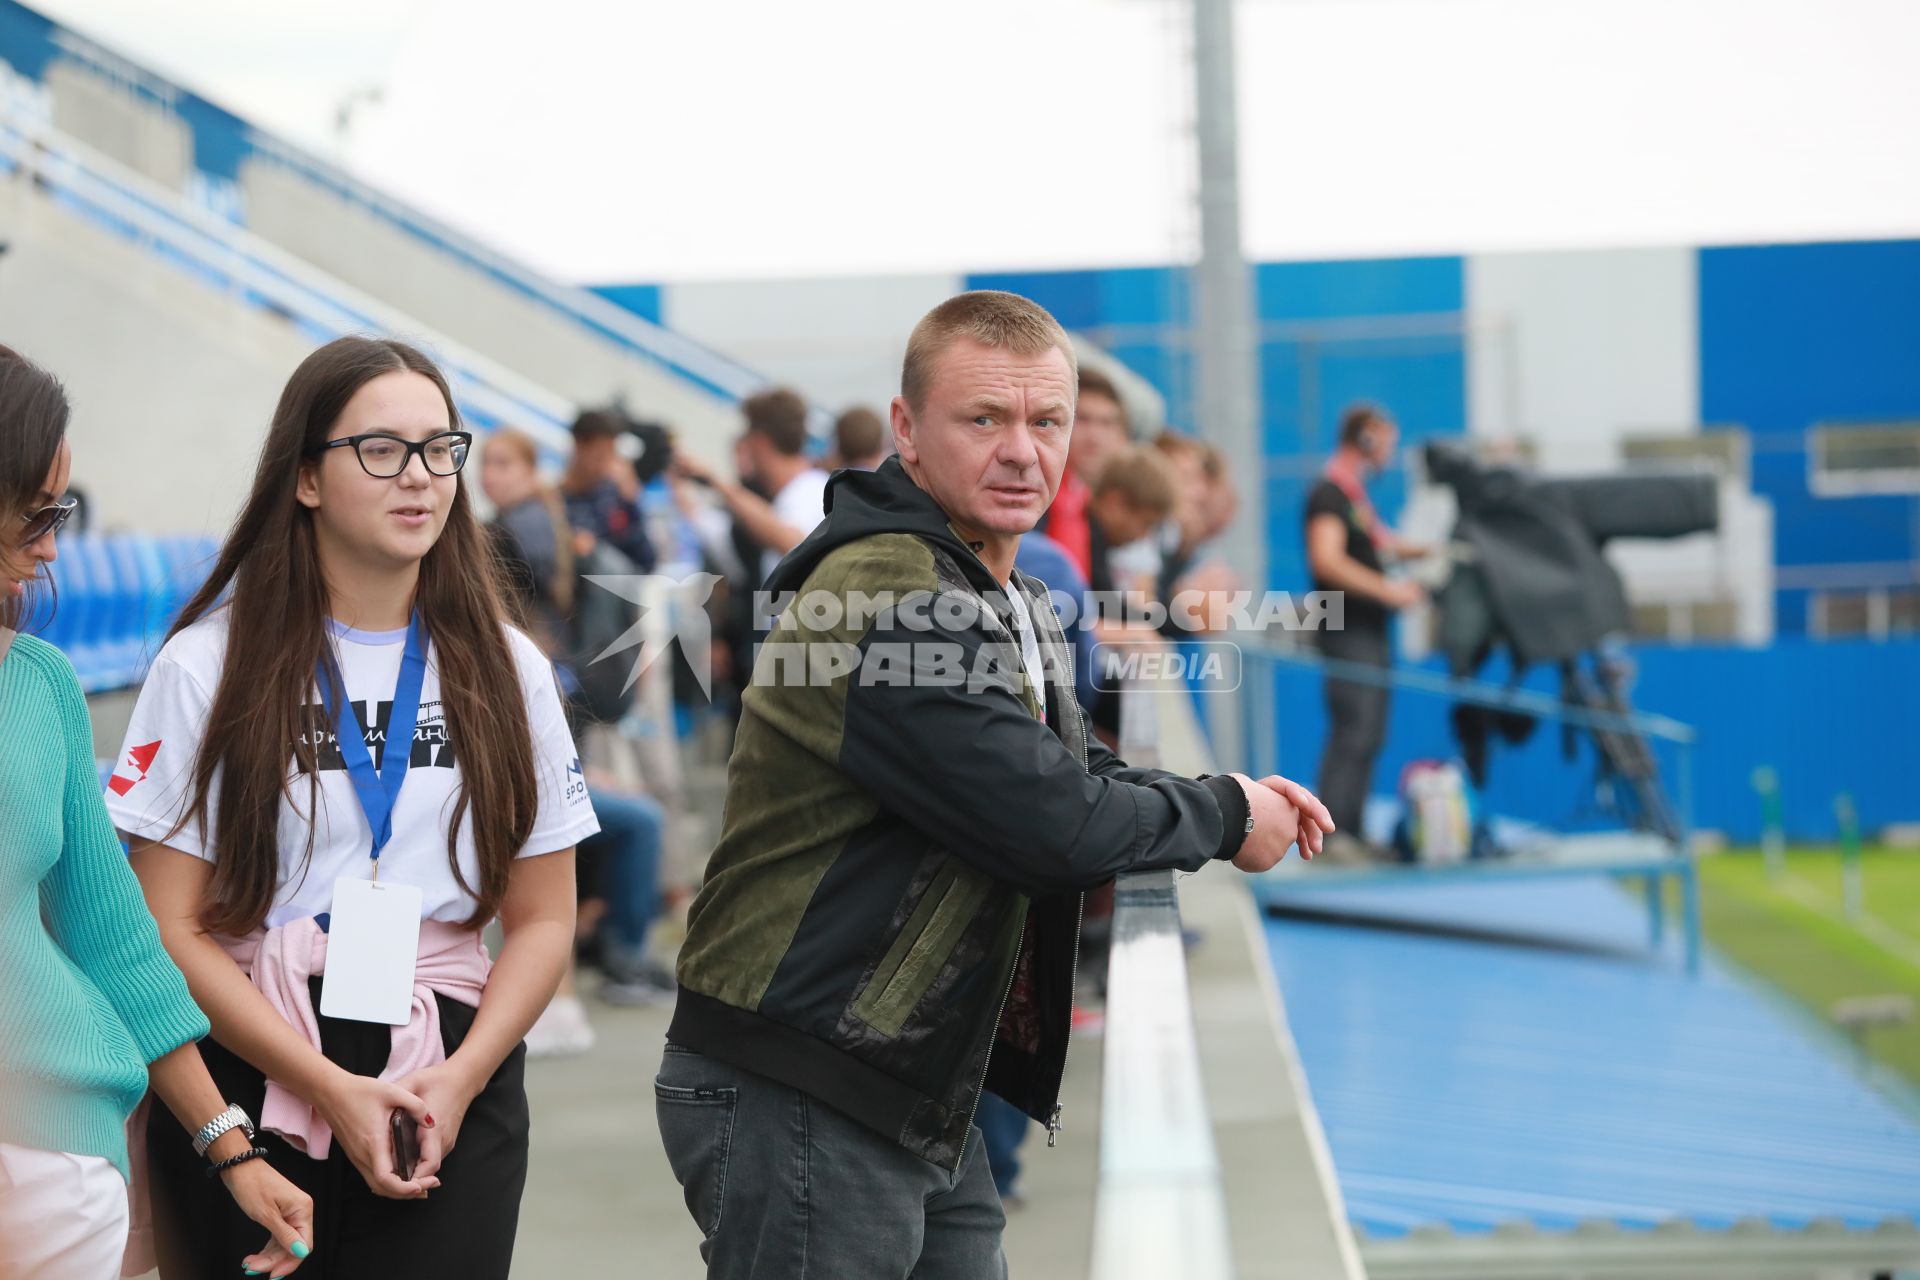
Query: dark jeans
782, 1185
464, 1229
1356, 725
627, 849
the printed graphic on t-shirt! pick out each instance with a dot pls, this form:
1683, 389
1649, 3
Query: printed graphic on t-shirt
139, 762
432, 748
174, 705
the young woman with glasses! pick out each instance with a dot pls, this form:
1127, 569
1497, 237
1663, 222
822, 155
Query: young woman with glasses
91, 1009
345, 763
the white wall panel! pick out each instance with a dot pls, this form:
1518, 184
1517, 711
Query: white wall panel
1573, 349
838, 341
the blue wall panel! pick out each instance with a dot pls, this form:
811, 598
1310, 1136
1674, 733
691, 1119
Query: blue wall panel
641, 299
1796, 335
1074, 297
1359, 287
1313, 367
1138, 314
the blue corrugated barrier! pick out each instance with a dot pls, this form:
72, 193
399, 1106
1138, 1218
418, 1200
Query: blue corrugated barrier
1494, 1055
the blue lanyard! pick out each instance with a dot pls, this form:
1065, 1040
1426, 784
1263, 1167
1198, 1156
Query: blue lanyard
380, 789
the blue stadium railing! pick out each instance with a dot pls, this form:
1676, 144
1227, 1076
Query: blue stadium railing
112, 598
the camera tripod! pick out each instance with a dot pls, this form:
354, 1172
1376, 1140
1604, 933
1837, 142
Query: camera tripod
1628, 782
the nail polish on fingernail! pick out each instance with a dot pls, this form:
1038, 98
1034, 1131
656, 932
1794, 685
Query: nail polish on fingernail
429, 1122
249, 1271
299, 1249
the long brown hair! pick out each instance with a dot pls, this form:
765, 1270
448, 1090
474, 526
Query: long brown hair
33, 422
276, 639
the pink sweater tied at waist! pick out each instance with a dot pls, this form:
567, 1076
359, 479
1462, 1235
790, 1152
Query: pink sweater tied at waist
452, 963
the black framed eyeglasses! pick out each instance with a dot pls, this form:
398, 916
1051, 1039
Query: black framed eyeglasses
385, 456
46, 520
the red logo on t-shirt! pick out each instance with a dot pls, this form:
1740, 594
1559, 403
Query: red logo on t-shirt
141, 759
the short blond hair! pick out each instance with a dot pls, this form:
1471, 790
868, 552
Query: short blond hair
1176, 446
989, 317
1142, 475
517, 443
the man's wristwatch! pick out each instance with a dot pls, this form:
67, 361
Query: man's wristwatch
232, 1118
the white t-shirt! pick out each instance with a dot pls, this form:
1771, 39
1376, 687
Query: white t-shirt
1143, 557
152, 783
1030, 648
800, 503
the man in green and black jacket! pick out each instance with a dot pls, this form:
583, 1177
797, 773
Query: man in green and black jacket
914, 805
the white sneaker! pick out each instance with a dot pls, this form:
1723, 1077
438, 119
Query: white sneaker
561, 1031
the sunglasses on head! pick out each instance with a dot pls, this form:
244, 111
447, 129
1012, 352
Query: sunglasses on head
46, 520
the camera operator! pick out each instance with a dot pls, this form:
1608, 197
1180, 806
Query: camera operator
1348, 549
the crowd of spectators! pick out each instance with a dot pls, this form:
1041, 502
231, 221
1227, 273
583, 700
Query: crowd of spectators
600, 520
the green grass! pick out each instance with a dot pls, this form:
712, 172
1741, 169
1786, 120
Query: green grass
1795, 934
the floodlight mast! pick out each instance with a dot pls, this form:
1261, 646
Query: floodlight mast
1226, 358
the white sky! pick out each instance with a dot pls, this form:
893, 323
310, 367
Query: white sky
753, 138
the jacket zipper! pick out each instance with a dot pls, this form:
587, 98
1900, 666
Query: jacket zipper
987, 1062
1073, 973
1066, 1049
1013, 975
1073, 969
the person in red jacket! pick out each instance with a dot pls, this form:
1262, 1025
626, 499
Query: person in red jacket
1100, 431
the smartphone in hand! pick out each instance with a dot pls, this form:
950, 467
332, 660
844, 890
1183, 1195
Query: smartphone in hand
406, 1144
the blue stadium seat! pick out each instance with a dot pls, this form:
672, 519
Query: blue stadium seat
114, 597
55, 629
189, 559
127, 641
81, 609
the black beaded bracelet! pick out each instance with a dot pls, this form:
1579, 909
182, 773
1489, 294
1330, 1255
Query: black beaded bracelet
214, 1171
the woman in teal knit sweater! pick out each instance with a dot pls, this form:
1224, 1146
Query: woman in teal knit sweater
91, 1009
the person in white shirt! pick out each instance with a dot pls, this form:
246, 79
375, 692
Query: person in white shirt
344, 763
779, 497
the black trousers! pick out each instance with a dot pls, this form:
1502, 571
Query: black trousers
464, 1229
1356, 725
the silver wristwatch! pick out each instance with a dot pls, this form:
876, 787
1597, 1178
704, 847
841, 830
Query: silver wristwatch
232, 1118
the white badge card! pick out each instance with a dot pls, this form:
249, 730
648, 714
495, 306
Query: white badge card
373, 942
